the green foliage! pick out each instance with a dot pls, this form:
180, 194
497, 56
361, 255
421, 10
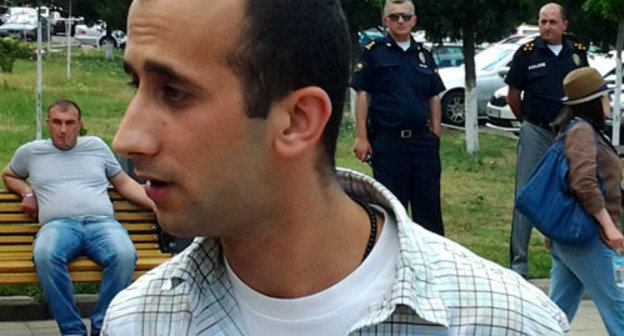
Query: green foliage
362, 14
586, 25
610, 9
475, 20
10, 50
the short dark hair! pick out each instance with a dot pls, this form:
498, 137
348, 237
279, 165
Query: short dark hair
590, 111
563, 13
290, 44
64, 105
397, 2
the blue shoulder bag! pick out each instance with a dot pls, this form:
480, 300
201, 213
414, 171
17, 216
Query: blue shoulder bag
549, 204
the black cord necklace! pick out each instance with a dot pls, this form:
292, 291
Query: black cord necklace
373, 223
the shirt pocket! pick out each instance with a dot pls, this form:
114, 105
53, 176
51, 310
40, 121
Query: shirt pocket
422, 79
536, 74
388, 74
538, 82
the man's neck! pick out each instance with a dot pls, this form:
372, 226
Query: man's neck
554, 42
314, 240
400, 38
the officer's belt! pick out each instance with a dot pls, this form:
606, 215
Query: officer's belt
406, 133
541, 124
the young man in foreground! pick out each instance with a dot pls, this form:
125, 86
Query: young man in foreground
234, 123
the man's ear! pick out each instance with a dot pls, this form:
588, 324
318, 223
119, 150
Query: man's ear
298, 121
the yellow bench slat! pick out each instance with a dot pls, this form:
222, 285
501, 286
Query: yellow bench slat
24, 266
34, 228
136, 238
26, 278
16, 207
16, 239
26, 248
120, 216
27, 255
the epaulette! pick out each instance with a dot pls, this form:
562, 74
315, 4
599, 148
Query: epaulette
580, 46
427, 49
370, 45
529, 46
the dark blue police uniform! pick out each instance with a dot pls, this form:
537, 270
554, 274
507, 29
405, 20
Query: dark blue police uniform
406, 154
538, 72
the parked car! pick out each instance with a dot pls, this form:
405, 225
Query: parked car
59, 26
95, 35
367, 36
4, 14
449, 54
499, 113
491, 67
23, 26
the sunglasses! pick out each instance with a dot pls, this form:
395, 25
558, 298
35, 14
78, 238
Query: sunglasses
394, 17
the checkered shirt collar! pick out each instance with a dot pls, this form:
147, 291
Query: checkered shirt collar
420, 295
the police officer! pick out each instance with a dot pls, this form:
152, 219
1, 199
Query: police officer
398, 115
538, 69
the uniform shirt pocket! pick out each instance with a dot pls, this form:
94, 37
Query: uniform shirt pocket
536, 73
388, 74
423, 79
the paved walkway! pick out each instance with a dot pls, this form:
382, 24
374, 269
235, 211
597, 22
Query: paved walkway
586, 323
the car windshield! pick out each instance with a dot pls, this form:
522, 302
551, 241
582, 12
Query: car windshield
492, 58
23, 19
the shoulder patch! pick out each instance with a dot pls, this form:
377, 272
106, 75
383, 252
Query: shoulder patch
580, 46
528, 47
370, 45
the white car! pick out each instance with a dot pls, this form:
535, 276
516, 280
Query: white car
491, 67
95, 35
23, 26
499, 113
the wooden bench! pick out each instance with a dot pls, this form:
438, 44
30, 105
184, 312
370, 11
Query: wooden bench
18, 230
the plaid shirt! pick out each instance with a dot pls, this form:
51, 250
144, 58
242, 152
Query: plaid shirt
440, 288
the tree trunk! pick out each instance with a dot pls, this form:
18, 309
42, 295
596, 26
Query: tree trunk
617, 97
470, 99
38, 116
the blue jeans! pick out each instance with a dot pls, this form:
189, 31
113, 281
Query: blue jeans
532, 145
588, 267
60, 241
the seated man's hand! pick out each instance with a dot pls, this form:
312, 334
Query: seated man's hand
29, 205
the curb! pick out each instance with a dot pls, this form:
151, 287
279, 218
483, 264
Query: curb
26, 308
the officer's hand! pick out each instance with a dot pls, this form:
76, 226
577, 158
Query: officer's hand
362, 148
29, 206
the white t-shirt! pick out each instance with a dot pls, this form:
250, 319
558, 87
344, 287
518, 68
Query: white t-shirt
556, 49
331, 312
68, 183
404, 45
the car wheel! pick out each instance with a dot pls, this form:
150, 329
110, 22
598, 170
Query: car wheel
104, 41
453, 111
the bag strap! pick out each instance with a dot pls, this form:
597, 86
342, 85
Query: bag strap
563, 135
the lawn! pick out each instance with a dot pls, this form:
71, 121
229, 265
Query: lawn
477, 191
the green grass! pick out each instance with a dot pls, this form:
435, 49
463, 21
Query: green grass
477, 191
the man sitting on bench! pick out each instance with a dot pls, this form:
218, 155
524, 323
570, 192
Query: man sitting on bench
67, 185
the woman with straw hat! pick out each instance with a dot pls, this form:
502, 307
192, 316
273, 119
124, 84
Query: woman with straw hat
590, 157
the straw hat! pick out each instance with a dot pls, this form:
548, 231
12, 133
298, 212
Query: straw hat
583, 85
